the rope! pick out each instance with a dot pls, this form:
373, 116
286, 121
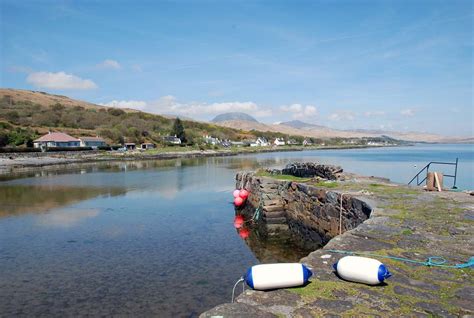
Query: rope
340, 215
241, 279
435, 261
256, 215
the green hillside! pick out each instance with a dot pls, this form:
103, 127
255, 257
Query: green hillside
24, 117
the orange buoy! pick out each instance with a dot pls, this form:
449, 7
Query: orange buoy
238, 221
244, 233
243, 194
238, 201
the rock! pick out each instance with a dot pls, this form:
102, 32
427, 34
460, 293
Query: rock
275, 214
272, 208
311, 170
272, 202
338, 306
236, 310
400, 290
433, 309
278, 297
275, 220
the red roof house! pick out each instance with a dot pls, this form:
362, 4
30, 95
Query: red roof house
56, 139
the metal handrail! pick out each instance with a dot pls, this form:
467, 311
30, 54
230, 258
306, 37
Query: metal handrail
427, 168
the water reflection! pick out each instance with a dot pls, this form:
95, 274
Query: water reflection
66, 218
266, 247
18, 199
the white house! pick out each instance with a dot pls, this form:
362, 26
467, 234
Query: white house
93, 142
260, 142
130, 146
172, 140
279, 142
147, 145
237, 143
56, 139
211, 140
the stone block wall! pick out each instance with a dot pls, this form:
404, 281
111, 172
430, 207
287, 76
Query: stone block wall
310, 214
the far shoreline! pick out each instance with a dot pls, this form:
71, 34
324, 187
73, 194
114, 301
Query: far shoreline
11, 163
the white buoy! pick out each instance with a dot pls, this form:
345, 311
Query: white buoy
272, 276
361, 270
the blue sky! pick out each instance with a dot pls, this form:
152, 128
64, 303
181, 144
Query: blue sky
394, 65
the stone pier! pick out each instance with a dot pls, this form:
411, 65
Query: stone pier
312, 215
404, 222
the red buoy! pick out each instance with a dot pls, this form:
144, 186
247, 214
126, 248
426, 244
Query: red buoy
238, 221
243, 194
236, 193
244, 233
238, 201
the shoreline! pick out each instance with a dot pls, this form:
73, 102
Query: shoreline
15, 162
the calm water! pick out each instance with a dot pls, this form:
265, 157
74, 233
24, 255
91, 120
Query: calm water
152, 238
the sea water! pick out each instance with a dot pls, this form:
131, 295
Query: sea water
153, 238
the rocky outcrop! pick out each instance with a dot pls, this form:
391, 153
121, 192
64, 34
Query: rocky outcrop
311, 170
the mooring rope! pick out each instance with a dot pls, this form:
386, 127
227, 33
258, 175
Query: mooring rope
340, 215
256, 214
241, 279
435, 261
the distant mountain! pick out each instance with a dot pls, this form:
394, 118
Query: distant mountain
298, 124
316, 131
233, 116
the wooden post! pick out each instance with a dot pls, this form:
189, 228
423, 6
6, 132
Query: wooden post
430, 181
439, 180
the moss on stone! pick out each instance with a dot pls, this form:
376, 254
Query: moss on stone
326, 184
284, 177
322, 289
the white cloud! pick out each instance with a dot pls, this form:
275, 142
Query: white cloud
293, 108
228, 107
59, 80
376, 113
110, 64
346, 115
170, 105
133, 104
408, 112
299, 111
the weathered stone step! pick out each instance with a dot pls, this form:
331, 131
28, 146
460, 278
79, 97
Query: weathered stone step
271, 202
273, 192
275, 214
281, 220
272, 228
272, 208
